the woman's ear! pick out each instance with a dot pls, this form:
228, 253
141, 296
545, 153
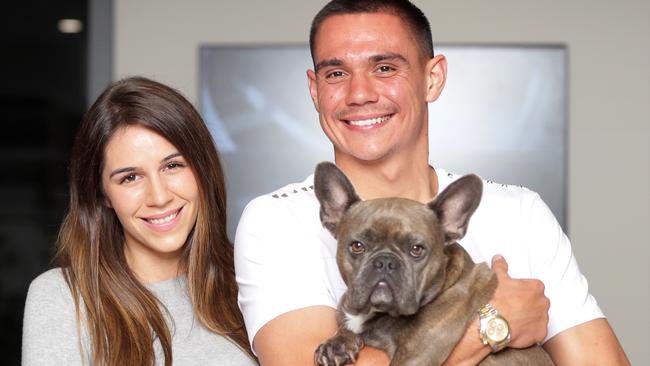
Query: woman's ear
436, 74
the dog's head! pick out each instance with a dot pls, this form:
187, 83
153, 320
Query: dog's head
391, 250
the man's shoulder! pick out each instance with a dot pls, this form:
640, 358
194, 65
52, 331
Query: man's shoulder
291, 197
295, 192
495, 192
289, 211
503, 205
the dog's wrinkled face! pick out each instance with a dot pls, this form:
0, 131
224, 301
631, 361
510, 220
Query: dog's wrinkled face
391, 250
388, 253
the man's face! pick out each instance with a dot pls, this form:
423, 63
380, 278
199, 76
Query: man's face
371, 86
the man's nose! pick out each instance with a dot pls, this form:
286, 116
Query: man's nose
361, 90
158, 193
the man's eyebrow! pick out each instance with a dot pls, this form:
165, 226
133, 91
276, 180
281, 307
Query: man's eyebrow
388, 57
328, 63
131, 169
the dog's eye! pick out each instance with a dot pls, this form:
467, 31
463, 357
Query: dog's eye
357, 247
416, 250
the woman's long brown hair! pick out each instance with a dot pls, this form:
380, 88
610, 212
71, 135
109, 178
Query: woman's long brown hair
123, 318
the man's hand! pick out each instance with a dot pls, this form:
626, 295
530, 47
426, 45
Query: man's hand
522, 303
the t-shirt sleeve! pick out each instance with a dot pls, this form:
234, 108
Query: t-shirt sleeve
278, 263
49, 324
553, 262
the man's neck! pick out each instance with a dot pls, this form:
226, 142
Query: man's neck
413, 178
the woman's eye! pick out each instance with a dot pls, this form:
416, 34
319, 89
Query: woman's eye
128, 179
416, 251
173, 165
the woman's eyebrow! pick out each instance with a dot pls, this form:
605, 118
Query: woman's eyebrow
171, 156
121, 170
130, 168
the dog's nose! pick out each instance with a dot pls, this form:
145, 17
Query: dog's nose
385, 263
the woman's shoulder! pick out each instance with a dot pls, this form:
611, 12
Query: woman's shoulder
50, 323
49, 278
49, 286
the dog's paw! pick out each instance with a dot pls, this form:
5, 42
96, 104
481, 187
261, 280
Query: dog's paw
338, 351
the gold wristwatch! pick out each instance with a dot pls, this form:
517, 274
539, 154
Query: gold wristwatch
494, 330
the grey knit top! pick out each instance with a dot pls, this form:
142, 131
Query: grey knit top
50, 328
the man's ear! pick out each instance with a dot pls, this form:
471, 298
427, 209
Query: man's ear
335, 194
313, 88
436, 74
455, 205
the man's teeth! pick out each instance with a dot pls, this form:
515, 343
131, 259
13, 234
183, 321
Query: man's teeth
368, 122
163, 220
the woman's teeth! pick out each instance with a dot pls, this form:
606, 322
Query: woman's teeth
368, 122
163, 220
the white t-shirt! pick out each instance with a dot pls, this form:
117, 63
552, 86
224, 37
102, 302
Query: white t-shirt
285, 260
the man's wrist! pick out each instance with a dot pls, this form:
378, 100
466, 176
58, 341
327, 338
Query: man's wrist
494, 329
470, 350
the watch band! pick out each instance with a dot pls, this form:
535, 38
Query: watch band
487, 310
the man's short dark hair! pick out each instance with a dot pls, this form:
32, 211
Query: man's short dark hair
409, 13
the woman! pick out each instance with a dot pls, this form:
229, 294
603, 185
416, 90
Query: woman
146, 269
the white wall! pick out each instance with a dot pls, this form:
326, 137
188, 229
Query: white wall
609, 128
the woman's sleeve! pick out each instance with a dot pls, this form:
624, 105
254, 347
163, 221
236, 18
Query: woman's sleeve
49, 324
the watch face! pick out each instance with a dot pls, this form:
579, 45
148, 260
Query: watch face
497, 329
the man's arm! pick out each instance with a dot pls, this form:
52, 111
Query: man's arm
526, 309
291, 339
521, 302
590, 343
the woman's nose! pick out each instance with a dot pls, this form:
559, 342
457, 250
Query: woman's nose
158, 193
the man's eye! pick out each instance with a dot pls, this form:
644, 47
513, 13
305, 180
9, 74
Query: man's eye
385, 69
334, 75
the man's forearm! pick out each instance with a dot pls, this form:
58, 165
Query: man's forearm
469, 350
372, 357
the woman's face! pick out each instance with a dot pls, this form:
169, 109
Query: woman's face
155, 195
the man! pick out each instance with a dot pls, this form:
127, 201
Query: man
374, 74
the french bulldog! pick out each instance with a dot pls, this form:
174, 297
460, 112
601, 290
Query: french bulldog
412, 289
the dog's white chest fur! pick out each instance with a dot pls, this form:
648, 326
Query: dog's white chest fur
355, 322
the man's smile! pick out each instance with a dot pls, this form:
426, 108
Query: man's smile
368, 121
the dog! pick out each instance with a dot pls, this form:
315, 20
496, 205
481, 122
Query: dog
412, 289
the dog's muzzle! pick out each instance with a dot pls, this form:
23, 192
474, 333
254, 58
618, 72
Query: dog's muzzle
385, 267
386, 263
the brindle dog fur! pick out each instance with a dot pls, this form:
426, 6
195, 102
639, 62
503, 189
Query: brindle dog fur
412, 289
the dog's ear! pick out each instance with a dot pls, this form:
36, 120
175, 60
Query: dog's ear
335, 194
456, 204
